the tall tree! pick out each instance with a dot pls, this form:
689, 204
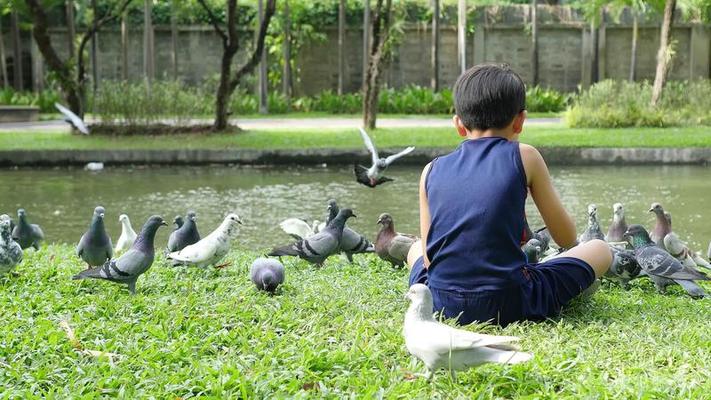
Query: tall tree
72, 82
230, 45
462, 35
633, 51
664, 54
534, 42
286, 74
380, 36
434, 80
341, 45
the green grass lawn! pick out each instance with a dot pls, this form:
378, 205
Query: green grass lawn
334, 332
537, 135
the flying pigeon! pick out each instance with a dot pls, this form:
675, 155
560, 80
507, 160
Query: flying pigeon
352, 242
211, 249
593, 229
27, 234
72, 119
661, 267
681, 252
10, 251
624, 267
300, 229
618, 227
390, 245
185, 235
662, 227
533, 249
128, 235
132, 264
267, 274
440, 346
95, 245
317, 248
373, 176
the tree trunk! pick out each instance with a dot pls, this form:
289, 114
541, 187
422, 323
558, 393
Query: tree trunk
380, 36
174, 38
341, 44
594, 76
263, 84
124, 46
664, 54
462, 35
3, 64
434, 81
534, 42
16, 52
94, 50
286, 78
71, 27
366, 40
633, 56
148, 65
223, 90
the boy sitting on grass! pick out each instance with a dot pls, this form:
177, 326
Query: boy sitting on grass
472, 215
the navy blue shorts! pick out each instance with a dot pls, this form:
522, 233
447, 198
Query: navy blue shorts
546, 288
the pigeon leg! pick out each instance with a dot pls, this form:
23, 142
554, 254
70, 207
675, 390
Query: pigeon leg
349, 256
132, 287
225, 265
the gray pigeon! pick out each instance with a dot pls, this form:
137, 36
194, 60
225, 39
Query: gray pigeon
662, 268
624, 267
543, 235
267, 274
317, 248
352, 242
373, 176
533, 249
390, 245
95, 245
185, 235
26, 234
617, 229
662, 227
178, 221
10, 251
441, 346
132, 264
593, 229
8, 218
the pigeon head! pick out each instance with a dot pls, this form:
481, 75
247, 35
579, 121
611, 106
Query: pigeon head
332, 209
385, 220
637, 236
145, 239
99, 212
21, 213
346, 213
656, 208
191, 215
420, 300
618, 210
233, 219
592, 210
123, 218
178, 221
533, 249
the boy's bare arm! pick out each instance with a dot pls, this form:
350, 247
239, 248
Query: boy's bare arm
424, 214
557, 219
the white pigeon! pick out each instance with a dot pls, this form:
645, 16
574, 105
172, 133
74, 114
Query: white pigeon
72, 118
373, 176
440, 346
94, 166
128, 235
212, 248
300, 229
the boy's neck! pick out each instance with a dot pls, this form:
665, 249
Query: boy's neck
506, 133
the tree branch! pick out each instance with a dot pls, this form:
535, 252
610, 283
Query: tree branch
256, 54
214, 21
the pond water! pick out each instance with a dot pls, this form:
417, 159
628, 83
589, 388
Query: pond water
62, 200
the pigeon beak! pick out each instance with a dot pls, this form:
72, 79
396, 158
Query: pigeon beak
101, 215
163, 223
354, 216
651, 210
380, 221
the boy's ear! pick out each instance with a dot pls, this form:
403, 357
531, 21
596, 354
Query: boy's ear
461, 129
518, 122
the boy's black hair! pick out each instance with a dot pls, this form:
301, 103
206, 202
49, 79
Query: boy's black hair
489, 96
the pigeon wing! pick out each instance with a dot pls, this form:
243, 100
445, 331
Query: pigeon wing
390, 159
400, 246
656, 261
361, 174
296, 228
369, 145
72, 118
442, 339
195, 253
37, 232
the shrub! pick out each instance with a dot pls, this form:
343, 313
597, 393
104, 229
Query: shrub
616, 104
545, 100
44, 100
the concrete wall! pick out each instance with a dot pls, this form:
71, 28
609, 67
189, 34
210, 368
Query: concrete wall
501, 34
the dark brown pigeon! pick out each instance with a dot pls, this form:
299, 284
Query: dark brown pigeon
662, 227
390, 245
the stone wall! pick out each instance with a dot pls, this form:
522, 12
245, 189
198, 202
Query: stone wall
501, 34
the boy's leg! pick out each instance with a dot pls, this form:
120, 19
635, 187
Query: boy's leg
414, 253
596, 252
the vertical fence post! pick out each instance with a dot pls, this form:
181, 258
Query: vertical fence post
262, 89
3, 65
434, 81
341, 44
124, 46
534, 42
462, 35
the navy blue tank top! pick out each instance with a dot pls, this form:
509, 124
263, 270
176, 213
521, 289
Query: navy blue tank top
476, 196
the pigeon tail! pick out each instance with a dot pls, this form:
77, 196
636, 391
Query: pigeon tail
94, 273
492, 354
283, 251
